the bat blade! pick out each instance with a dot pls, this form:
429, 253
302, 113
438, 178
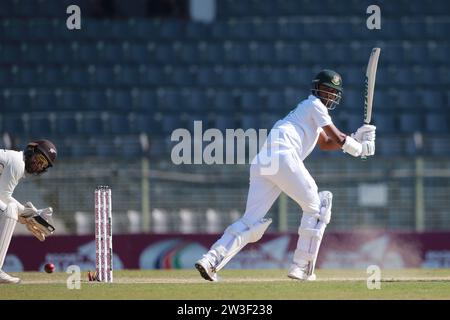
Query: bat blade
369, 84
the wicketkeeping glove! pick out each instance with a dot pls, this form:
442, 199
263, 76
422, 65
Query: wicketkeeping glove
38, 222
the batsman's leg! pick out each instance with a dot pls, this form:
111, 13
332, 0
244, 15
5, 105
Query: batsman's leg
295, 180
310, 233
250, 228
8, 220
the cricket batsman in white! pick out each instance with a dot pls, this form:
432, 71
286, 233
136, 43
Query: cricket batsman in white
290, 141
37, 157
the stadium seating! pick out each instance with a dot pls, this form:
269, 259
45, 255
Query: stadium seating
119, 77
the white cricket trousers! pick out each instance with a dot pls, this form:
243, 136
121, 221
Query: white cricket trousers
292, 178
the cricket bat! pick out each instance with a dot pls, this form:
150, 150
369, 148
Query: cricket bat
369, 85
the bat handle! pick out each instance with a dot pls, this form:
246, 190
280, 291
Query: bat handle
364, 158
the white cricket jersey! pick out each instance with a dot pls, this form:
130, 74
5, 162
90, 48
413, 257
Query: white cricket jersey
12, 169
301, 128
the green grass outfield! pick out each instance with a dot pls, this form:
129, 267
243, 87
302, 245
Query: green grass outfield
235, 285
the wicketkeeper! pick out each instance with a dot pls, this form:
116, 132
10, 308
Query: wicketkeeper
290, 141
37, 157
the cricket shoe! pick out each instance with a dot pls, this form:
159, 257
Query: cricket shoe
6, 278
300, 273
206, 268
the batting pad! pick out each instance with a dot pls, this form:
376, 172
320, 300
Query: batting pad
8, 220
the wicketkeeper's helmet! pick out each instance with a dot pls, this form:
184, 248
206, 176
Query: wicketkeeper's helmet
44, 147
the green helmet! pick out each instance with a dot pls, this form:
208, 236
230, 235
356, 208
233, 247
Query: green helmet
331, 79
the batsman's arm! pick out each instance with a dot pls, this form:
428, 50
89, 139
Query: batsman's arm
8, 183
331, 138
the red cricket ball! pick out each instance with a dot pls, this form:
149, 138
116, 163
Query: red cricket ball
49, 267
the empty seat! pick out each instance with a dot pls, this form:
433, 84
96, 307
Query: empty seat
262, 52
136, 52
66, 124
207, 76
249, 100
230, 77
352, 122
169, 100
439, 146
437, 29
79, 76
411, 122
289, 53
439, 53
290, 29
130, 146
10, 52
341, 30
95, 100
353, 76
121, 99
25, 76
181, 77
236, 52
39, 125
50, 75
292, 98
139, 123
157, 148
117, 124
239, 30
111, 53
385, 123
17, 100
137, 8
92, 124
126, 75
78, 148
165, 54
397, 76
60, 53
211, 52
195, 100
278, 77
430, 99
44, 100
104, 147
222, 101
352, 99
412, 29
415, 53
102, 76
388, 146
145, 100
70, 100
188, 121
275, 101
268, 120
401, 99
437, 123
13, 124
197, 30
223, 122
85, 52
249, 122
